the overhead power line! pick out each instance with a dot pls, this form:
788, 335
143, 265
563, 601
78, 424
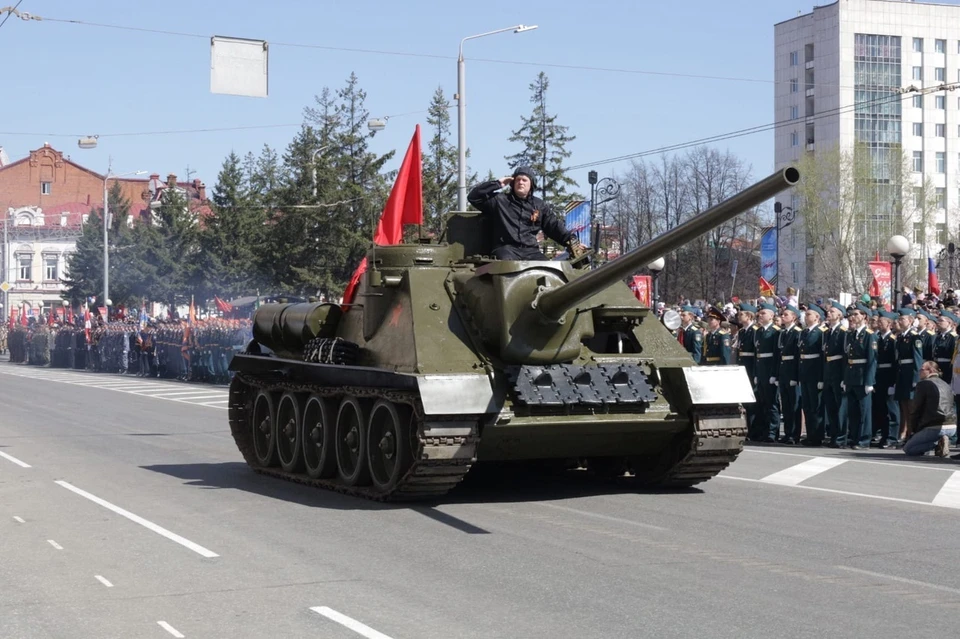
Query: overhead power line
10, 12
829, 113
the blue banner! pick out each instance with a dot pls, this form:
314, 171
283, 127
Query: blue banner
768, 255
578, 220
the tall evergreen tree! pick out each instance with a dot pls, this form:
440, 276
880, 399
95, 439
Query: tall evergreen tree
439, 165
231, 238
544, 146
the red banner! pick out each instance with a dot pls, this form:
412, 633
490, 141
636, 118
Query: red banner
13, 317
640, 285
881, 272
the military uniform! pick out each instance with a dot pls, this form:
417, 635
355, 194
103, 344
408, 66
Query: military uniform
834, 404
767, 420
810, 375
909, 360
718, 351
859, 375
692, 339
943, 346
886, 411
789, 381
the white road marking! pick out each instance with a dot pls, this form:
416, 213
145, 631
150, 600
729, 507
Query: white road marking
20, 519
902, 580
836, 492
104, 581
949, 495
149, 525
14, 460
902, 464
155, 390
173, 631
219, 401
54, 544
599, 516
803, 471
348, 622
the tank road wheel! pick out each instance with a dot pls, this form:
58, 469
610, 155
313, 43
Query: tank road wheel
319, 451
352, 443
264, 425
388, 444
288, 433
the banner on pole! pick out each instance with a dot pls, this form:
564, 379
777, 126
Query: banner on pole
640, 285
768, 256
881, 272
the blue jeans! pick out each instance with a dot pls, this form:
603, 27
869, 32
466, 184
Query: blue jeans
926, 440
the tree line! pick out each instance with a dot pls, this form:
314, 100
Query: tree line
298, 222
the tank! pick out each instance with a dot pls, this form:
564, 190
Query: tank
447, 358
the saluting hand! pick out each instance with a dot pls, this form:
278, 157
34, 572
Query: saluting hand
506, 181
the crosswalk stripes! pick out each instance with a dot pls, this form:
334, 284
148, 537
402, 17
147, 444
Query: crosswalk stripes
205, 395
890, 477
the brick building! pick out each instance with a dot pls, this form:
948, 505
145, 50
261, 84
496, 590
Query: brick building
44, 200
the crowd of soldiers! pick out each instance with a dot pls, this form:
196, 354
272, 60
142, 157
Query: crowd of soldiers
843, 376
168, 349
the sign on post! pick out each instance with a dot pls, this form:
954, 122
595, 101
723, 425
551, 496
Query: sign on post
238, 66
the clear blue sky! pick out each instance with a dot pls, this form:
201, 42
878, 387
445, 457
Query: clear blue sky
63, 80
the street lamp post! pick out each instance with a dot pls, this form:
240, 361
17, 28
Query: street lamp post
655, 267
898, 246
601, 192
462, 114
316, 155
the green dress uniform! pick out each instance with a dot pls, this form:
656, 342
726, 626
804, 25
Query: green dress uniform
767, 420
943, 345
860, 373
886, 410
692, 339
718, 351
811, 381
789, 382
909, 361
834, 404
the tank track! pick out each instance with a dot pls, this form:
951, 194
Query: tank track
711, 451
439, 464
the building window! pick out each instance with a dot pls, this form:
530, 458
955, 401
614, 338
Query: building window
794, 85
794, 112
918, 128
794, 58
918, 73
918, 101
940, 101
46, 188
941, 198
50, 273
941, 161
917, 233
918, 161
25, 268
940, 46
940, 130
940, 74
918, 45
808, 52
941, 233
794, 139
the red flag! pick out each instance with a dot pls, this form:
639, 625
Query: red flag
877, 257
23, 316
874, 290
223, 306
933, 284
404, 206
766, 288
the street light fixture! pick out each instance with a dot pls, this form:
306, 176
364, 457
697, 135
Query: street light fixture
898, 246
89, 142
462, 114
655, 267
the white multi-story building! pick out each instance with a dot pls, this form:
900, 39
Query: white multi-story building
862, 52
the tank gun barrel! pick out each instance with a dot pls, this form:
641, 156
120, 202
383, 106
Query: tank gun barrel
555, 302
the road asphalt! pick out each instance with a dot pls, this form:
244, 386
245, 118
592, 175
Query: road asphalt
127, 511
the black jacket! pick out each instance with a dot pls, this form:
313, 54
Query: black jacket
516, 221
932, 404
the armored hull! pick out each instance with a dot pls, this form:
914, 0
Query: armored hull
448, 357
